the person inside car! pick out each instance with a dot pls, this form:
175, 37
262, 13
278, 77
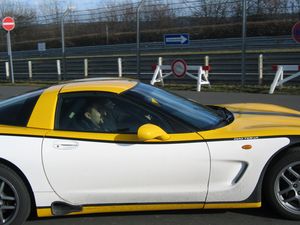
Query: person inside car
92, 118
97, 117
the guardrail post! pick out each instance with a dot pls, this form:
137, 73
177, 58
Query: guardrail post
206, 63
86, 68
120, 67
7, 70
160, 61
260, 68
30, 70
58, 70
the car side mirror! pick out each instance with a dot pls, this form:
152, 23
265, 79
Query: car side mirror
150, 131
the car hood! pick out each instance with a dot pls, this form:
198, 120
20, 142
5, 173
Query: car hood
255, 119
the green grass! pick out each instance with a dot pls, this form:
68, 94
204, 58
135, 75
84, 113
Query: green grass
256, 89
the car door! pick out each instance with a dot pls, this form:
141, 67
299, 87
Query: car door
103, 167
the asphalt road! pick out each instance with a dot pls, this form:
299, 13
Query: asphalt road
263, 216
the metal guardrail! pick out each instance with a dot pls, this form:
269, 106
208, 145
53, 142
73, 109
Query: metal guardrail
226, 68
224, 56
253, 43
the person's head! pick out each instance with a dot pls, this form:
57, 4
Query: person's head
94, 113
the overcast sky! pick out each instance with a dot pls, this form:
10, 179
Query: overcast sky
82, 4
79, 4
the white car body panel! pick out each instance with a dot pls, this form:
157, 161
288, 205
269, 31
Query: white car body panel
25, 153
103, 172
229, 160
45, 199
168, 174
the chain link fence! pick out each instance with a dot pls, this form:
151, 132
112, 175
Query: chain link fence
111, 29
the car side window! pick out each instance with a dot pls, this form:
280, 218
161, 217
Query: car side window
16, 111
104, 113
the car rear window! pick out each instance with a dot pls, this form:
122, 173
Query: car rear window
16, 111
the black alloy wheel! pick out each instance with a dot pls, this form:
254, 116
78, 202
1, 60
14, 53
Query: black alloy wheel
15, 201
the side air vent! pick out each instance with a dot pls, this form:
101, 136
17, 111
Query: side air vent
241, 172
62, 208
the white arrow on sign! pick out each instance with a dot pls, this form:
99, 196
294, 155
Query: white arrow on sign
180, 39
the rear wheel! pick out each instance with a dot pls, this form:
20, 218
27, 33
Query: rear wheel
14, 198
282, 185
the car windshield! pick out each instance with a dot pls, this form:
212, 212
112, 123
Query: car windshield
196, 115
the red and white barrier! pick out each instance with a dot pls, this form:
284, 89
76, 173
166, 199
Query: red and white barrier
279, 80
179, 69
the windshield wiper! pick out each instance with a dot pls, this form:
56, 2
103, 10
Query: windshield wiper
224, 113
228, 114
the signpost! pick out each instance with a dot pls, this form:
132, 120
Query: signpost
296, 32
8, 24
176, 39
179, 68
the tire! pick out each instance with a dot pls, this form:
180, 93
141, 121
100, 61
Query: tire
282, 185
15, 203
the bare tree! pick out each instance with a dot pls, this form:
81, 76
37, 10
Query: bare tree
157, 16
18, 10
52, 10
128, 16
24, 16
216, 11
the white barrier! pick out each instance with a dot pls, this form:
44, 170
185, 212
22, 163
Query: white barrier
201, 77
279, 80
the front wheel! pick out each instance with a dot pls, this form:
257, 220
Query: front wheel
282, 185
14, 198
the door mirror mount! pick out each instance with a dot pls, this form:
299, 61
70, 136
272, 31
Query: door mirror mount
150, 131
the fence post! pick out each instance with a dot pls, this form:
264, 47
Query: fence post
30, 70
206, 63
260, 68
58, 70
120, 67
160, 61
86, 68
7, 70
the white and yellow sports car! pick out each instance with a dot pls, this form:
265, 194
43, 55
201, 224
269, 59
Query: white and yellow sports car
112, 145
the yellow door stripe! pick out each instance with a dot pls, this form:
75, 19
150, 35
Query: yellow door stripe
46, 212
135, 208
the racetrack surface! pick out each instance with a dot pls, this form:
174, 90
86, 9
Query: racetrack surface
263, 216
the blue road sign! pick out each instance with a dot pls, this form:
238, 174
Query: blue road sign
177, 39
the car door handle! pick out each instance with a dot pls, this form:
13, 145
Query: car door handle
65, 145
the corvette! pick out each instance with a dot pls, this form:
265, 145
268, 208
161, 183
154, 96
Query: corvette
152, 150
